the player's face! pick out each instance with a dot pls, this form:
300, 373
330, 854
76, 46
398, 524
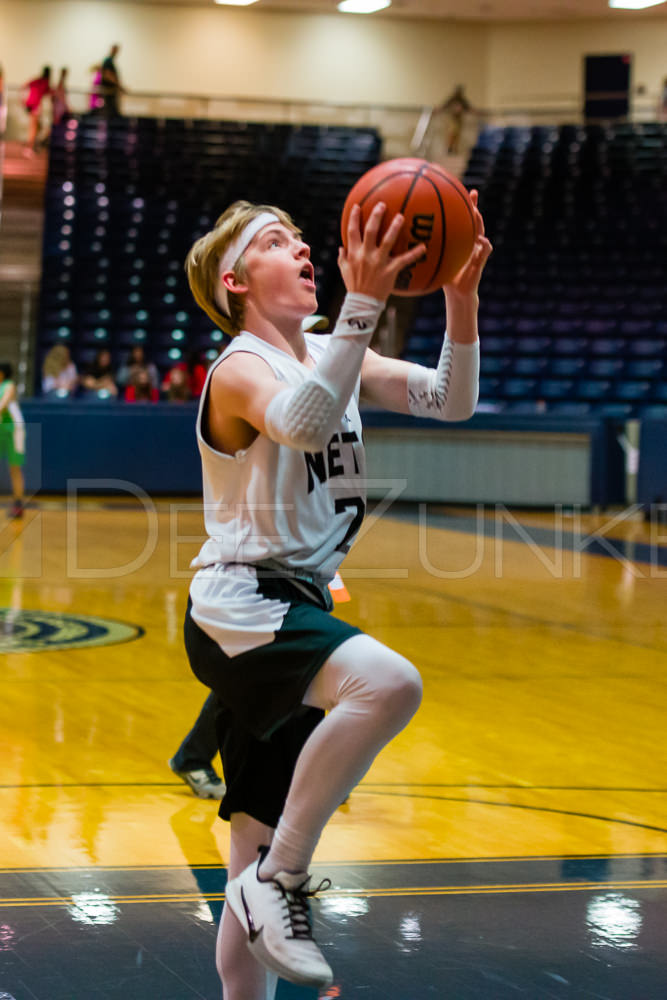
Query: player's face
279, 275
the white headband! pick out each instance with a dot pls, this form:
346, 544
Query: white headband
236, 249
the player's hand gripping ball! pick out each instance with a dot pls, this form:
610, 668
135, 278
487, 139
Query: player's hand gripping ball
438, 213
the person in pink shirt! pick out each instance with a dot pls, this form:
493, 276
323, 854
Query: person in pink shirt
36, 91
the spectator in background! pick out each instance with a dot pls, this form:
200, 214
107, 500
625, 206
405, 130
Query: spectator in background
36, 90
457, 105
136, 362
194, 371
98, 377
59, 98
96, 101
140, 389
12, 436
59, 375
176, 385
110, 85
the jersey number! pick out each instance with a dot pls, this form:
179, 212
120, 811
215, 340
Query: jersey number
350, 503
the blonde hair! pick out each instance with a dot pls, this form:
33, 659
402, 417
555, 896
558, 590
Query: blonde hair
203, 261
56, 360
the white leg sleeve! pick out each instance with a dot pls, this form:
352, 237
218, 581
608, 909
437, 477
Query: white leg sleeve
306, 417
450, 391
370, 693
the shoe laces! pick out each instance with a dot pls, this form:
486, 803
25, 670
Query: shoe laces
298, 915
211, 775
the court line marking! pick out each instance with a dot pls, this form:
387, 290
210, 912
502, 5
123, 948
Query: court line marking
521, 616
364, 786
550, 538
384, 862
518, 786
399, 891
518, 805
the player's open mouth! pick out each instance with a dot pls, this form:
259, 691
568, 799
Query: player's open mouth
307, 273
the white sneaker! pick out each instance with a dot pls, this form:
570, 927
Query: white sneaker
203, 781
276, 915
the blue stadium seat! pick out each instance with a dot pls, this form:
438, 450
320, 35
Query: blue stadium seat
556, 388
530, 366
498, 345
605, 367
649, 348
593, 389
570, 408
575, 346
650, 368
534, 345
608, 346
567, 367
633, 390
489, 388
492, 365
518, 388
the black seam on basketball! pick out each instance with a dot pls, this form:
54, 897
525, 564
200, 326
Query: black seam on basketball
415, 178
461, 195
385, 180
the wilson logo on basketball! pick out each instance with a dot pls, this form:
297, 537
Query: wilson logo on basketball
421, 231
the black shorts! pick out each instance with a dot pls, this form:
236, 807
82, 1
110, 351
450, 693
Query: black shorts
262, 722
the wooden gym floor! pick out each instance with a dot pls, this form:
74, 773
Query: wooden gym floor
512, 842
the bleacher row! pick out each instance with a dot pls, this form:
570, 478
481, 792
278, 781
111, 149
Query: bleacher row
127, 197
573, 302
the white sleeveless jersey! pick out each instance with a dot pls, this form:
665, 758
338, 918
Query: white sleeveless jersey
271, 502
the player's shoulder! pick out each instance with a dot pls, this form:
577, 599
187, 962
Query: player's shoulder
239, 363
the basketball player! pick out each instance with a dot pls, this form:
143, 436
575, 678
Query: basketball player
12, 437
283, 469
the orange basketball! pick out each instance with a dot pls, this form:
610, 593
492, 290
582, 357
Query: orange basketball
438, 213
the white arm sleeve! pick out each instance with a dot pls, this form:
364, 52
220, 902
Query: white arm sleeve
450, 391
305, 417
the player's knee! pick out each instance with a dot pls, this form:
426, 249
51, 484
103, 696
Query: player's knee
401, 691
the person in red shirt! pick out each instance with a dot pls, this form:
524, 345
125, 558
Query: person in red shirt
195, 376
140, 390
36, 91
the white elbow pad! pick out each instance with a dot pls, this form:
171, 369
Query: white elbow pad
306, 417
302, 418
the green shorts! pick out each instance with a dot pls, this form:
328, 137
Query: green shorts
12, 443
262, 723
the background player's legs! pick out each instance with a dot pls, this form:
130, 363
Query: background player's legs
18, 484
201, 744
243, 978
370, 693
33, 130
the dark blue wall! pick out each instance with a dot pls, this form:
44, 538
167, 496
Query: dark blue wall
153, 447
652, 474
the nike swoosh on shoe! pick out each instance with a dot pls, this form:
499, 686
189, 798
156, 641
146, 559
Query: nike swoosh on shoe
253, 934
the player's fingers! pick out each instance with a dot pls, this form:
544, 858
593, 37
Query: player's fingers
409, 257
372, 227
388, 241
479, 220
354, 227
